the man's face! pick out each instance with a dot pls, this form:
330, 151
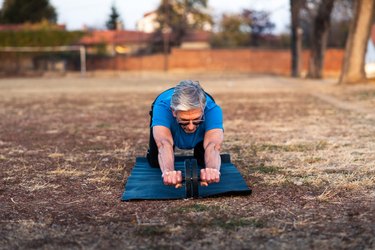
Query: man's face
189, 120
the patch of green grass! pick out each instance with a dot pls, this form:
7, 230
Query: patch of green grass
312, 160
338, 171
233, 223
153, 230
94, 147
103, 125
196, 208
269, 147
266, 169
366, 95
292, 147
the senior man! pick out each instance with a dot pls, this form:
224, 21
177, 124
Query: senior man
186, 117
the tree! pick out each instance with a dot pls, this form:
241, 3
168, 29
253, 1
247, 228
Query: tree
114, 19
177, 17
354, 60
22, 11
342, 15
245, 29
231, 32
259, 24
296, 36
320, 36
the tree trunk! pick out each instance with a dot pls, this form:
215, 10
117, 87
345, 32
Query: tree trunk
320, 36
296, 39
353, 69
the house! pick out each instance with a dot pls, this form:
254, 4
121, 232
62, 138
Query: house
112, 42
149, 24
126, 42
196, 40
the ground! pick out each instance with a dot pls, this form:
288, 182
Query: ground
67, 146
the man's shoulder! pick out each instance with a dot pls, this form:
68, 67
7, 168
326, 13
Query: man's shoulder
165, 96
211, 104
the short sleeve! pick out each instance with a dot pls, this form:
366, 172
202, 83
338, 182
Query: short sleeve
214, 118
162, 116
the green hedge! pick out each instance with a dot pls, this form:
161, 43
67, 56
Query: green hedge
39, 38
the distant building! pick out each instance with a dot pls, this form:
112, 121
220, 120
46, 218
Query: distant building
112, 42
149, 24
196, 40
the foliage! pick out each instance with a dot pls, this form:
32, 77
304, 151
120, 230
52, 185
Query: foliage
42, 37
258, 23
22, 11
114, 19
177, 17
231, 32
251, 27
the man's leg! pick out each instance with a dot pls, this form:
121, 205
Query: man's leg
199, 154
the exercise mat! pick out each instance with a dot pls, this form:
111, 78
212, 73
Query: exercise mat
145, 182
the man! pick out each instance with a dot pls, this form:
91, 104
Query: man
186, 117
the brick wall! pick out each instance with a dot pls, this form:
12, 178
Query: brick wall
240, 60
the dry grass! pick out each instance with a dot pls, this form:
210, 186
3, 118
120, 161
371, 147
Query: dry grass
68, 145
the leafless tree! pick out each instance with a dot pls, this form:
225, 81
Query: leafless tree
296, 39
320, 35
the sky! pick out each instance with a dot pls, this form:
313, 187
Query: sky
94, 13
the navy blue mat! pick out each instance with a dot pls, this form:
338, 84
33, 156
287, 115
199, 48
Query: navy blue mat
145, 182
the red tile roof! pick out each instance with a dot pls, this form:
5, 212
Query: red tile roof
126, 36
115, 37
197, 36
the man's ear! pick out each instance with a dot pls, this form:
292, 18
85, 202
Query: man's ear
174, 112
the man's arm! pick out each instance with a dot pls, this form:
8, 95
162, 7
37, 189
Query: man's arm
164, 142
212, 145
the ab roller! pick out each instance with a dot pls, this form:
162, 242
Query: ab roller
191, 178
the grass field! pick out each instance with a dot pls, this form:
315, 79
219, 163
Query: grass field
67, 146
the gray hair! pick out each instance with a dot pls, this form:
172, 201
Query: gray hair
188, 95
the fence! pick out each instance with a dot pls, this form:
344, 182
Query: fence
263, 61
235, 60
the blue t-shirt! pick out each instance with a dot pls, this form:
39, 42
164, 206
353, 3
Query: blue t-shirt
162, 116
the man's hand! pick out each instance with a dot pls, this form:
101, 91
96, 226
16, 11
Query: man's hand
172, 178
209, 175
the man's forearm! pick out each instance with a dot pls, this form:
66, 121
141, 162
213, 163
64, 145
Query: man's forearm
212, 156
166, 156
